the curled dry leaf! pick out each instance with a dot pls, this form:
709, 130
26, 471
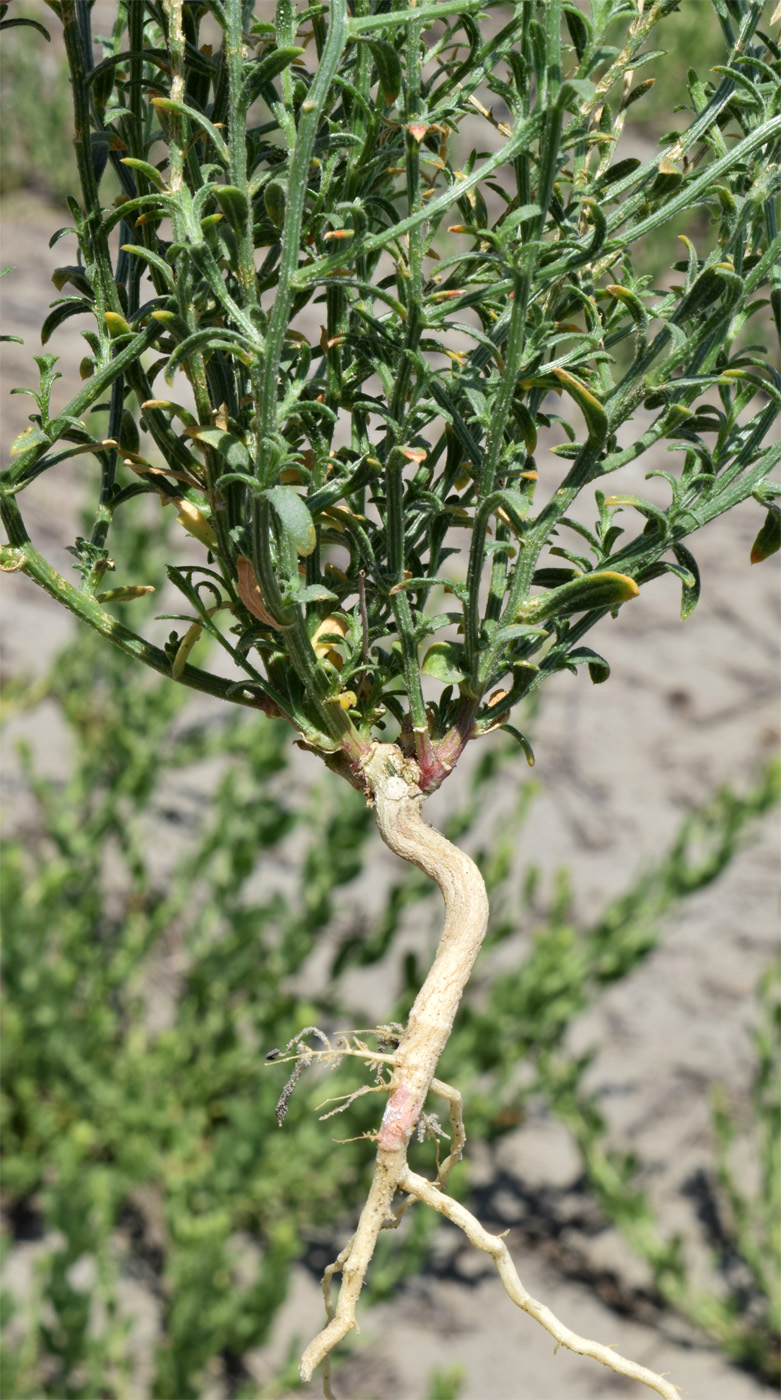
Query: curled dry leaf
249, 591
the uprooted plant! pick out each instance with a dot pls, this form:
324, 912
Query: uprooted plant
376, 319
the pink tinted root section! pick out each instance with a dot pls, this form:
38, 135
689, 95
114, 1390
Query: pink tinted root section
398, 1120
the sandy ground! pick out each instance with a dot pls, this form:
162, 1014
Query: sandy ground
689, 707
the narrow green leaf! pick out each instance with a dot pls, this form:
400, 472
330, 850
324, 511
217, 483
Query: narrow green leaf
262, 71
646, 508
116, 325
575, 90
523, 741
153, 259
142, 203
646, 57
750, 89
155, 56
514, 504
66, 307
202, 342
632, 303
27, 438
504, 635
144, 168
234, 205
620, 170
598, 667
706, 290
690, 593
516, 217
579, 29
29, 24
312, 593
591, 408
127, 594
231, 448
388, 65
424, 581
605, 589
166, 104
527, 425
243, 478
275, 200
636, 93
554, 578
76, 276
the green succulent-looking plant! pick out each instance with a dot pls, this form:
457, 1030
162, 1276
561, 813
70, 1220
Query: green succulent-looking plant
390, 559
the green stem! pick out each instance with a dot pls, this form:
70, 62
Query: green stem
394, 483
21, 555
309, 120
84, 400
175, 123
414, 272
96, 244
535, 537
365, 24
237, 145
503, 403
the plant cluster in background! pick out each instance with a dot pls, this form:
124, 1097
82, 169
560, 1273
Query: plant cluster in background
36, 140
140, 1137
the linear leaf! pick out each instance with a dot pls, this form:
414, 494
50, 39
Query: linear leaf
605, 589
598, 667
262, 71
167, 104
231, 448
388, 65
591, 408
690, 593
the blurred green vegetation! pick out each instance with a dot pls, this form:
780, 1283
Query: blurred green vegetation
164, 912
36, 113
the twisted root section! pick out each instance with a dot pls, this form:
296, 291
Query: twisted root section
392, 779
398, 800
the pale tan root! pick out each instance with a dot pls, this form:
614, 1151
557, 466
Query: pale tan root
393, 781
491, 1244
355, 1260
446, 1091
